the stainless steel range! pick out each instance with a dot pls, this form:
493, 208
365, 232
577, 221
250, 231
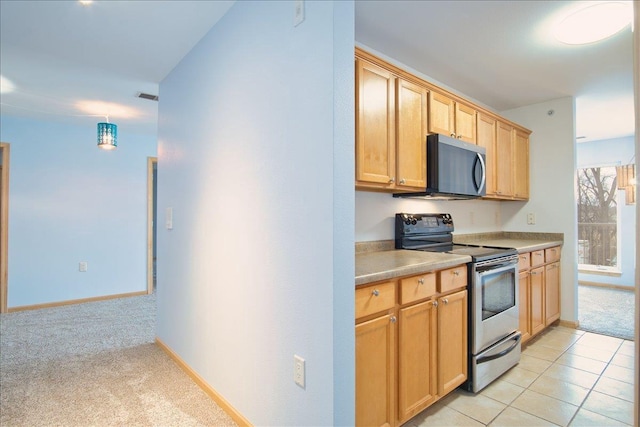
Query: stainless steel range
494, 339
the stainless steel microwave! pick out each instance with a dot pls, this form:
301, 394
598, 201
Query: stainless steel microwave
455, 169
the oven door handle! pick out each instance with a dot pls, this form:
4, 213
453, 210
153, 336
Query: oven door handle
497, 268
516, 340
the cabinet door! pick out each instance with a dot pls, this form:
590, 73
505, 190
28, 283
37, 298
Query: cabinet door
416, 359
441, 114
375, 125
411, 142
465, 123
525, 314
375, 364
552, 292
504, 159
521, 164
487, 138
537, 301
452, 341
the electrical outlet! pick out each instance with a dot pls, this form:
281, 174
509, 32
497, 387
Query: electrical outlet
82, 266
531, 218
298, 370
298, 12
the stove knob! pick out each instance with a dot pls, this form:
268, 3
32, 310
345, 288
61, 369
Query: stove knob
413, 221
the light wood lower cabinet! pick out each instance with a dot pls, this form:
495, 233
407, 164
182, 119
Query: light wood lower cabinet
525, 313
552, 292
375, 372
539, 282
452, 341
536, 302
405, 365
417, 358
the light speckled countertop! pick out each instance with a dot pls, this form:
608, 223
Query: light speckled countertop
383, 265
521, 241
522, 245
379, 261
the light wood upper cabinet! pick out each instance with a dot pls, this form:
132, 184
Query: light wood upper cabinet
466, 122
375, 125
375, 372
521, 164
452, 118
395, 110
452, 341
504, 160
411, 114
391, 131
441, 114
487, 138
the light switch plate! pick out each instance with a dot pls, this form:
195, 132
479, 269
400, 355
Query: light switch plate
298, 12
298, 370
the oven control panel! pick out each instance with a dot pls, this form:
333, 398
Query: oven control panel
411, 224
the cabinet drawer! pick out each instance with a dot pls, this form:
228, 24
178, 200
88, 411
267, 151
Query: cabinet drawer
552, 254
417, 287
373, 299
452, 278
524, 261
537, 258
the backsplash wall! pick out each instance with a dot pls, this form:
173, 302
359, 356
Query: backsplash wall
375, 213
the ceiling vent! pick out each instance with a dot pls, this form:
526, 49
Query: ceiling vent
147, 96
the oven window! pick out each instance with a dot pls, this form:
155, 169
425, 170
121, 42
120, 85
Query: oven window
498, 293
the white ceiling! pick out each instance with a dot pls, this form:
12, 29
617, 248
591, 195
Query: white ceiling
59, 53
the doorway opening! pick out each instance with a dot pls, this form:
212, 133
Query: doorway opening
4, 224
152, 214
606, 238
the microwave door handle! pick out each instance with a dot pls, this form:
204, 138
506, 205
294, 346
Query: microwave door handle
484, 173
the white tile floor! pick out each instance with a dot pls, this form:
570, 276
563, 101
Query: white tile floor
566, 377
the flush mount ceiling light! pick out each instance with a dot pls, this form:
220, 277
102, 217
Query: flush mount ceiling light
107, 135
594, 22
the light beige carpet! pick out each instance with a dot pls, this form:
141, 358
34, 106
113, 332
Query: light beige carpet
95, 364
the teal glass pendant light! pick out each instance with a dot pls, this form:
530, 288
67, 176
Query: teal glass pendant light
107, 135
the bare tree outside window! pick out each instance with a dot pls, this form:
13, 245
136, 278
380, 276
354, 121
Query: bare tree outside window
597, 217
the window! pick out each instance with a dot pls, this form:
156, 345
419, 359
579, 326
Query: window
597, 218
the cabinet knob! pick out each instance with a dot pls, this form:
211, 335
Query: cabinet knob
375, 292
446, 301
402, 181
393, 319
392, 180
456, 273
459, 136
453, 135
421, 281
435, 303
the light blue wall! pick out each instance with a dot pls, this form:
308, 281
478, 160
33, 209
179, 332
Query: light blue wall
619, 151
552, 160
259, 263
69, 202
